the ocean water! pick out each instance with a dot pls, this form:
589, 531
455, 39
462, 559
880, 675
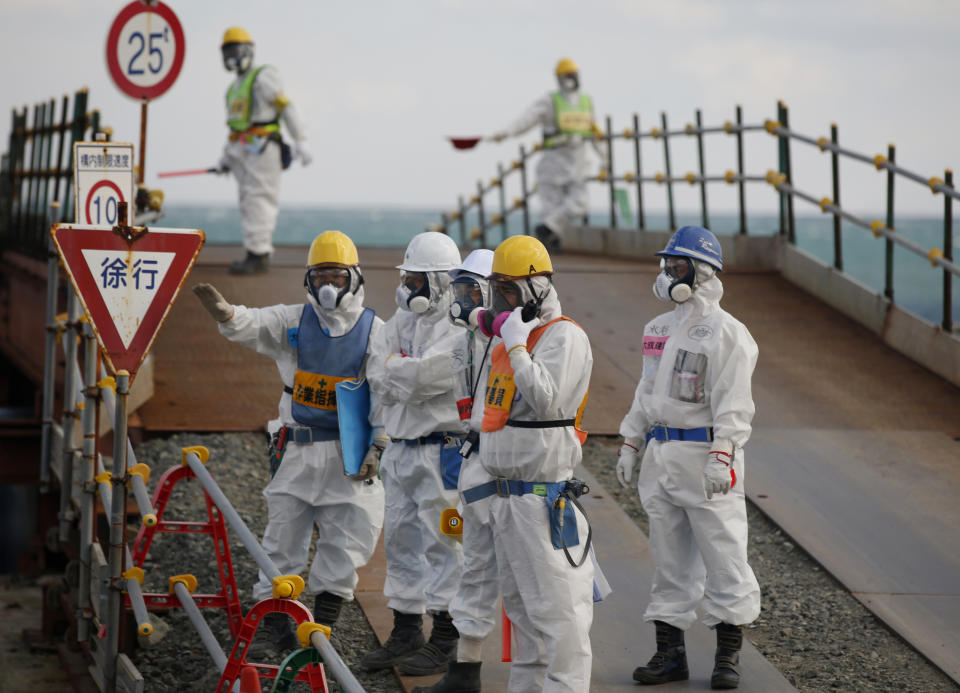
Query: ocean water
918, 287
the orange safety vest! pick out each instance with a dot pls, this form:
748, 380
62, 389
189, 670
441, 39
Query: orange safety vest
500, 386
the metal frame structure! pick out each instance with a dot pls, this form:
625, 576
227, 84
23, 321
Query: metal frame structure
781, 180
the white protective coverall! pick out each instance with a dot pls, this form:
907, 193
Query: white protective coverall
417, 371
256, 164
548, 600
699, 546
474, 609
310, 488
561, 170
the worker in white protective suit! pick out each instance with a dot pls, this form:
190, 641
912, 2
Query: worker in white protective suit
689, 422
530, 443
317, 344
566, 118
474, 608
417, 369
254, 151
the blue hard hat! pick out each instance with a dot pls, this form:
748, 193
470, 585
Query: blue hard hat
696, 243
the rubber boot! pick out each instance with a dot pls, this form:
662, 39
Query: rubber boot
461, 677
670, 661
326, 608
437, 653
726, 663
280, 631
549, 238
251, 264
405, 639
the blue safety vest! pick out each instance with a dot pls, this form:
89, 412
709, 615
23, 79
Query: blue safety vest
322, 362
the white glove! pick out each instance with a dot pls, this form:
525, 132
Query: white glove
370, 466
718, 474
498, 136
515, 331
214, 302
300, 152
628, 459
223, 166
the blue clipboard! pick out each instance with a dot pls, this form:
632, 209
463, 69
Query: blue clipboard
353, 415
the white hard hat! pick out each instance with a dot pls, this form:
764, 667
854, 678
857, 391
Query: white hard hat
479, 262
430, 251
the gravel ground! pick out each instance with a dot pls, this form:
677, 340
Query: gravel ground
810, 627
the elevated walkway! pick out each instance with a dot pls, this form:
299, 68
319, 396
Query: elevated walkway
854, 450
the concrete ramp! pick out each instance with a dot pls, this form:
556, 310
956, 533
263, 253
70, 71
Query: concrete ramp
879, 510
621, 640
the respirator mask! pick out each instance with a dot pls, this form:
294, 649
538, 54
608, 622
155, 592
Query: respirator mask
467, 301
413, 294
328, 285
676, 279
505, 296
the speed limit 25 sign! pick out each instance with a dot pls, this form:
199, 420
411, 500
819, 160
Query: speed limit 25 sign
103, 176
145, 49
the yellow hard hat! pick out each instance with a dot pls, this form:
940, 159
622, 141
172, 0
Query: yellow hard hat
332, 248
521, 256
236, 35
566, 67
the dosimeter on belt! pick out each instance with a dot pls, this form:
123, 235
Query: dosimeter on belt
572, 491
278, 444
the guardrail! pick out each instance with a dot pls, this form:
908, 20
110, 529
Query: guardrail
32, 176
103, 580
781, 179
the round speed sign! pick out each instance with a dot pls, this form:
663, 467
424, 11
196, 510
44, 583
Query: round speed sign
145, 49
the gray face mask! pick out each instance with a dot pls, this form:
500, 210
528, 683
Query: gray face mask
667, 289
327, 296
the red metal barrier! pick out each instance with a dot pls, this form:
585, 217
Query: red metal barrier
313, 674
227, 598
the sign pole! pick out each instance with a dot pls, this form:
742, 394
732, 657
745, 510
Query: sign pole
143, 141
118, 510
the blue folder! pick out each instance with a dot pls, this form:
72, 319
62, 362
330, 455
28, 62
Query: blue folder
353, 414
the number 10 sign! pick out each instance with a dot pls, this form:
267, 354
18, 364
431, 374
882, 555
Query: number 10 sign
103, 176
145, 49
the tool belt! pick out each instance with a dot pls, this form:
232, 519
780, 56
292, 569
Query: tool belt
432, 438
562, 491
665, 434
555, 423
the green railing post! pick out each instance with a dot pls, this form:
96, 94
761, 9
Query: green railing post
741, 186
481, 217
43, 211
791, 221
78, 127
62, 130
610, 176
782, 167
32, 175
666, 158
523, 191
462, 217
503, 202
948, 254
704, 217
835, 168
888, 250
636, 159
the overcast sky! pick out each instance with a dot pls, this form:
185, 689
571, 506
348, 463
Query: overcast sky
379, 85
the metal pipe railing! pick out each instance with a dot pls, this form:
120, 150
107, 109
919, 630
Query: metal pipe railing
200, 625
779, 128
331, 658
877, 227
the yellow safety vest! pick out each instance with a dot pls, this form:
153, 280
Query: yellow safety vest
569, 120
